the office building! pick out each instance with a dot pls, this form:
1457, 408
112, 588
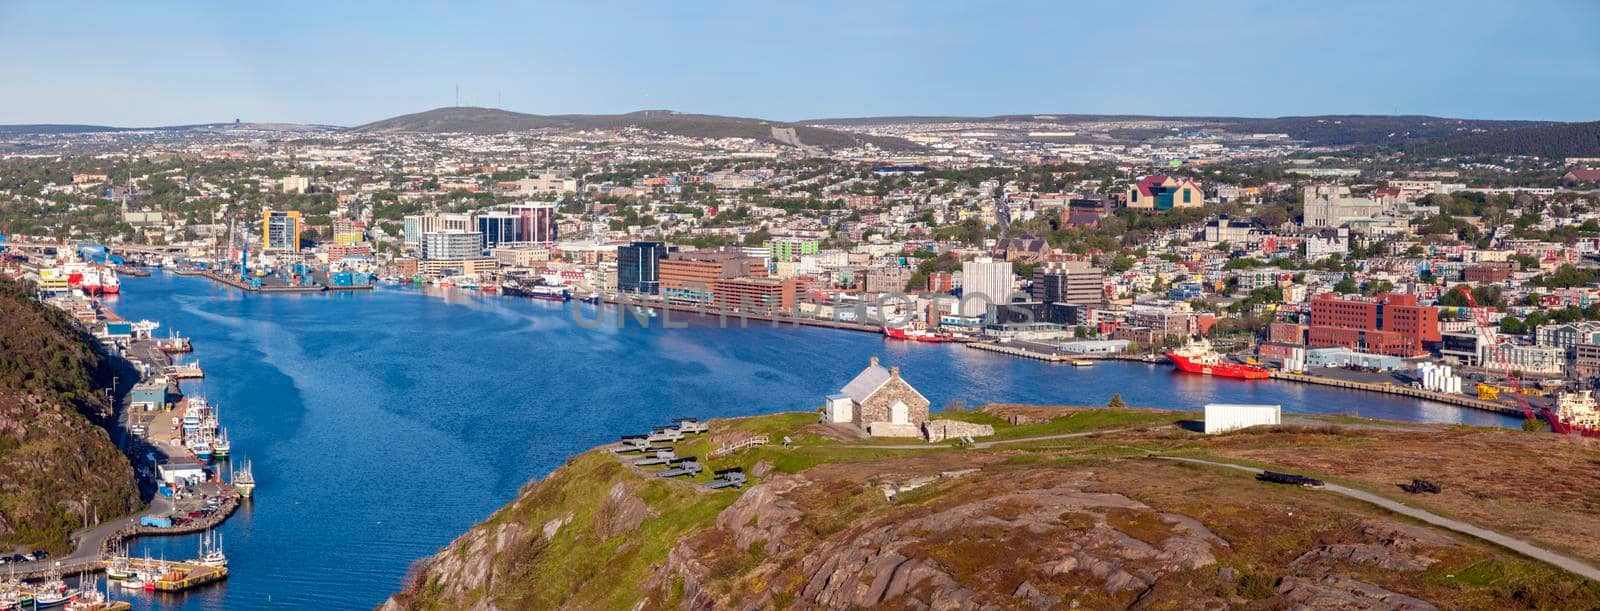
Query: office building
280, 231
691, 276
411, 233
639, 267
757, 295
451, 245
1069, 282
984, 281
1391, 324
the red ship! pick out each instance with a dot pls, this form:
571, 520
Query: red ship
917, 335
1198, 357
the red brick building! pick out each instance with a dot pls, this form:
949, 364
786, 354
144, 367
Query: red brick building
1389, 324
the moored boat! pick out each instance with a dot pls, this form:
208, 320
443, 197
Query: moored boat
917, 335
1198, 357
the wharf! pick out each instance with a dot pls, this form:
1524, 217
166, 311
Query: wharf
1407, 391
176, 576
713, 311
1060, 357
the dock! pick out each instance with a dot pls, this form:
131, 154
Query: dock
1061, 357
1406, 391
175, 576
777, 318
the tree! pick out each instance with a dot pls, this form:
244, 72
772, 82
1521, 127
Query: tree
1510, 325
1345, 286
1116, 402
1272, 216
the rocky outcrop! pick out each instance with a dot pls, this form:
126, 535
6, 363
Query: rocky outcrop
1337, 592
763, 514
1387, 545
621, 513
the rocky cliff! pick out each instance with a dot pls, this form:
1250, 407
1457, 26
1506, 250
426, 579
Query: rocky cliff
57, 463
1088, 522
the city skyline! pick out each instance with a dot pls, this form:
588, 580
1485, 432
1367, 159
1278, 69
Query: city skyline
346, 65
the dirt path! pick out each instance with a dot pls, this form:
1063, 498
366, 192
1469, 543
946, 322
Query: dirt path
1512, 543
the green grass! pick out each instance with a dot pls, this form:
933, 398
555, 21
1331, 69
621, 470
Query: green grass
1078, 421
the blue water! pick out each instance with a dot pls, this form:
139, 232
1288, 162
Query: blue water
382, 425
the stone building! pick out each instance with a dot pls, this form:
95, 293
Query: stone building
880, 402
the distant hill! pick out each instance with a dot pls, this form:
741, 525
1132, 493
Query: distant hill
473, 120
1321, 130
47, 129
1554, 141
41, 129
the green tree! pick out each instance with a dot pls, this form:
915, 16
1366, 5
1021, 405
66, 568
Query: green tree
1345, 286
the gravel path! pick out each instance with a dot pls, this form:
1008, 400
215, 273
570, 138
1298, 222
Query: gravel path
1520, 546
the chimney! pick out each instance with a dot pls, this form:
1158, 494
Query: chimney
894, 372
873, 362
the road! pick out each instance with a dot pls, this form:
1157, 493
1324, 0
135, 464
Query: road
989, 444
1520, 546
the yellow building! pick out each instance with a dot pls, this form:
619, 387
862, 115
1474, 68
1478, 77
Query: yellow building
1164, 193
280, 230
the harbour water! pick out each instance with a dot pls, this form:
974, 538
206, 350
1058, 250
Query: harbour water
383, 424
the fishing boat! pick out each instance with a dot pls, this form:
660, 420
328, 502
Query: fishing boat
202, 450
211, 551
1082, 363
220, 446
1198, 357
53, 593
917, 335
244, 481
549, 293
119, 568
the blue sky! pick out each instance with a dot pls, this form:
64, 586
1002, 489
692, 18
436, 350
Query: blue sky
346, 63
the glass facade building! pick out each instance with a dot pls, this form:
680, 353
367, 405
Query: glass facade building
639, 267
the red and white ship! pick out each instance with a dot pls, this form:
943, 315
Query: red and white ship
101, 281
917, 335
1198, 357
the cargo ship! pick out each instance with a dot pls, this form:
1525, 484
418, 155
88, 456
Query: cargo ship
1576, 412
917, 335
1198, 357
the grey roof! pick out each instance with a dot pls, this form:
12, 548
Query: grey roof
865, 383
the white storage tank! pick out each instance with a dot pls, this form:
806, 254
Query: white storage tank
1224, 417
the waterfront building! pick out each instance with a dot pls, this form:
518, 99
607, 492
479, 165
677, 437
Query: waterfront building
984, 281
1164, 193
280, 231
639, 267
452, 245
691, 276
880, 402
1391, 324
500, 229
1586, 361
758, 295
347, 232
1069, 282
1542, 360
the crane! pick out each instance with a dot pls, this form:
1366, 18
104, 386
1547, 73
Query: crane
1486, 333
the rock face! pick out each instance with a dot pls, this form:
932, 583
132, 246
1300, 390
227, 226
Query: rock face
1336, 592
57, 462
1003, 550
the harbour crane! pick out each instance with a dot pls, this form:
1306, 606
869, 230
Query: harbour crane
1486, 333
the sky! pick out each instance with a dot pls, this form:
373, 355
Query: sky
347, 63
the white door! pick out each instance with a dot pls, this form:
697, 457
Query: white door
899, 413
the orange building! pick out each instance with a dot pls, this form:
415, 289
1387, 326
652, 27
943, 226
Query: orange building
758, 295
691, 276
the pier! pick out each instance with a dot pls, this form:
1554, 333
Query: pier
731, 313
1407, 391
